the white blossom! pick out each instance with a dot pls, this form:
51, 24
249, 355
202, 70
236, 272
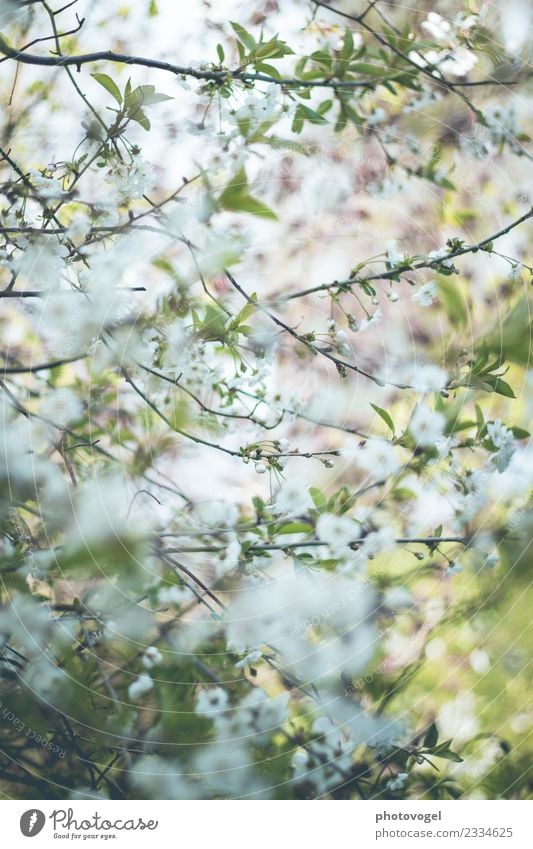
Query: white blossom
377, 541
158, 778
229, 559
426, 295
378, 457
151, 657
212, 701
429, 510
336, 531
292, 498
142, 685
62, 407
130, 182
426, 426
457, 719
427, 378
394, 256
437, 27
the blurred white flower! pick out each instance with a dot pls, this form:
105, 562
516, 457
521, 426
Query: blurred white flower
131, 181
426, 295
429, 510
217, 514
142, 685
459, 62
479, 661
517, 478
368, 321
394, 256
292, 498
426, 426
378, 457
437, 27
457, 719
337, 531
79, 227
427, 378
62, 407
377, 541
151, 657
229, 559
160, 778
212, 701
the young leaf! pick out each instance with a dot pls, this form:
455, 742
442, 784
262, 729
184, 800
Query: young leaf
243, 35
144, 95
432, 736
319, 499
310, 115
384, 415
237, 198
501, 387
110, 86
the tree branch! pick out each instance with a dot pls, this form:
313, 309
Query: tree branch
427, 262
219, 77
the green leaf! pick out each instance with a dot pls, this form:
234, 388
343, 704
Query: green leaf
140, 118
444, 751
432, 736
237, 198
513, 339
213, 326
110, 86
347, 49
499, 386
265, 68
273, 49
220, 53
319, 499
145, 95
295, 528
448, 755
310, 115
384, 415
520, 433
403, 494
353, 116
367, 69
238, 185
453, 301
246, 312
324, 107
247, 203
297, 122
243, 35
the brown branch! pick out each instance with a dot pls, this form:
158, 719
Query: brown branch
403, 268
219, 77
341, 365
